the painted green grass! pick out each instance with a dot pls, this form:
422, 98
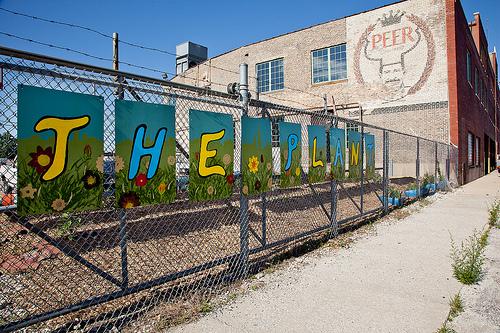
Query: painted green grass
65, 193
257, 169
161, 188
215, 186
317, 174
291, 177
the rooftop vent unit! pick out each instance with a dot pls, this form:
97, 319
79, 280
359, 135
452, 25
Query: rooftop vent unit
189, 54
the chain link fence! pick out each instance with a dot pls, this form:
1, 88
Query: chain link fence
103, 269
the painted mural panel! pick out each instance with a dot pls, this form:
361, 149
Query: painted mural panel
337, 153
60, 151
211, 159
145, 153
256, 154
370, 155
317, 153
290, 154
355, 158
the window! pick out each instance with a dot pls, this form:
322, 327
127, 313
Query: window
470, 149
469, 68
476, 151
270, 75
329, 64
476, 81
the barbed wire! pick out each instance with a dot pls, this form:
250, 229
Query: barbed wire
136, 45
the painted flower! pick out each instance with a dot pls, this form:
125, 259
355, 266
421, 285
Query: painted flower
141, 180
297, 171
245, 190
288, 172
270, 183
253, 164
87, 150
257, 184
91, 179
28, 192
210, 190
171, 160
119, 164
99, 163
129, 200
58, 205
162, 188
230, 178
42, 159
226, 159
269, 166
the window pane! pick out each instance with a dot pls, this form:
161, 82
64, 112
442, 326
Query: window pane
270, 75
470, 149
329, 64
338, 62
320, 66
263, 76
277, 74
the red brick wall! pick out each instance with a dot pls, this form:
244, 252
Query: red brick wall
467, 114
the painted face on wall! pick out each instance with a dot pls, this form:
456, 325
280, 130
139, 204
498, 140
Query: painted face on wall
392, 76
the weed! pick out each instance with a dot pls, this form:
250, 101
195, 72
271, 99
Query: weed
445, 329
394, 192
69, 225
483, 240
456, 307
206, 307
468, 259
494, 214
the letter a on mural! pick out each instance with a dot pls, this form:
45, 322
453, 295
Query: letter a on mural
370, 155
256, 154
337, 153
145, 153
60, 151
290, 154
317, 153
355, 158
211, 144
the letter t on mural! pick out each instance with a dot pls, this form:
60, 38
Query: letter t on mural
145, 153
290, 154
370, 155
211, 149
60, 151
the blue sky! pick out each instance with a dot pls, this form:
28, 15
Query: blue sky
219, 25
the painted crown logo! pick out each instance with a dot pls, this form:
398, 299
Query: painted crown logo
392, 18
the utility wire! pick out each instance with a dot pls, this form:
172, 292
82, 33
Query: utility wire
102, 34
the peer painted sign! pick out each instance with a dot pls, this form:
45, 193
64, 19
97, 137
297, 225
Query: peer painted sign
211, 159
290, 154
317, 153
60, 151
337, 153
145, 153
256, 154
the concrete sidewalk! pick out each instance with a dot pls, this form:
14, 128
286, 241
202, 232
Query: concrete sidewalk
398, 280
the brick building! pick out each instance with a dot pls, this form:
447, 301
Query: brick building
417, 66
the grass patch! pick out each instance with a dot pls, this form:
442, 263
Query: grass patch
468, 259
445, 329
206, 307
494, 214
456, 307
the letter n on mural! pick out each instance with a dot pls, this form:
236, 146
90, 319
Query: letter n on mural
317, 153
290, 154
256, 154
370, 155
60, 151
211, 144
145, 153
337, 153
355, 159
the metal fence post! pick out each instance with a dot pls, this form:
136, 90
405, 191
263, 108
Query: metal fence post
448, 167
417, 166
122, 213
436, 164
244, 246
385, 167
